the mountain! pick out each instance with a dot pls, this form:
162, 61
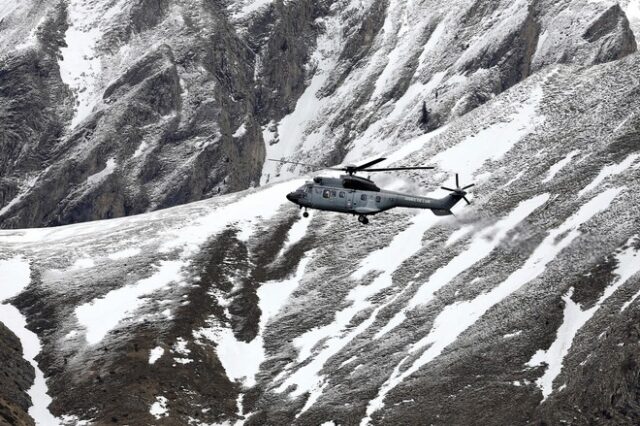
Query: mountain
521, 309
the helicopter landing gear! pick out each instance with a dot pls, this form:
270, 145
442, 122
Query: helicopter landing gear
363, 219
305, 214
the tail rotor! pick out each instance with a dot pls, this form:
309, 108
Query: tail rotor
462, 192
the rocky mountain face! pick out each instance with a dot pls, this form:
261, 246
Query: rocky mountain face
16, 376
112, 108
522, 309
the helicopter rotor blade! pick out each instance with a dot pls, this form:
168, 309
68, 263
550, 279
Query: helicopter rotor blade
448, 189
318, 166
391, 169
369, 164
468, 186
457, 182
468, 202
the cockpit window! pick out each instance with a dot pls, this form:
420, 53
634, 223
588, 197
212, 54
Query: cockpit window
309, 188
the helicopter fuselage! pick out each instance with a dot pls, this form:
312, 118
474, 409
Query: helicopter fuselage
360, 196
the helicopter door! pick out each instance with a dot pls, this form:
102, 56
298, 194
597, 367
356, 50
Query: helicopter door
349, 200
343, 200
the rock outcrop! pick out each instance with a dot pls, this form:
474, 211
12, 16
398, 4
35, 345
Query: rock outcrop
16, 377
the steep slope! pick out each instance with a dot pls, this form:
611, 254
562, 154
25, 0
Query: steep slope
235, 309
112, 108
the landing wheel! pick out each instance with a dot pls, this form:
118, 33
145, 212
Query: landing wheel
363, 219
305, 214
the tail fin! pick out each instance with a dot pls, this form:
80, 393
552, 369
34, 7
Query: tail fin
452, 199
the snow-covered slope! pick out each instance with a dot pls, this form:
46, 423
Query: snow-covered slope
521, 309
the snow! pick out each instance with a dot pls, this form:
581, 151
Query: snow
102, 174
493, 142
292, 128
80, 65
247, 7
297, 232
560, 165
103, 314
124, 254
140, 150
83, 263
458, 234
15, 277
23, 191
514, 334
241, 360
155, 354
481, 246
240, 131
632, 10
459, 316
608, 171
574, 318
180, 347
159, 408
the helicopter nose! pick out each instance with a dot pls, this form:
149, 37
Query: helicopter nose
293, 197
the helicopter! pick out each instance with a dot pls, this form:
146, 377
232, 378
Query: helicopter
361, 196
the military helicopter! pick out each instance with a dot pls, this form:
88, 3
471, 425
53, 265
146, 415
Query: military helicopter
360, 196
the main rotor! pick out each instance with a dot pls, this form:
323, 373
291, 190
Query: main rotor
353, 169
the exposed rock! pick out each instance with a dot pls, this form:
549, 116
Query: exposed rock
16, 377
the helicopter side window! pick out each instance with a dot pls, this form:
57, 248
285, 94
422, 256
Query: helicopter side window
326, 194
378, 199
333, 194
341, 194
363, 197
309, 189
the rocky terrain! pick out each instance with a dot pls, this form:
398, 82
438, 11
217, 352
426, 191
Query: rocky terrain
521, 309
16, 377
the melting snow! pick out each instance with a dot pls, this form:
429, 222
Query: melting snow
109, 167
240, 132
493, 142
80, 65
123, 254
560, 165
242, 360
155, 354
458, 317
159, 408
607, 171
575, 318
103, 314
14, 278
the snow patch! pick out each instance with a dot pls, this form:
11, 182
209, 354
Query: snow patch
241, 360
124, 254
159, 408
109, 167
102, 314
608, 171
575, 318
155, 354
560, 165
240, 131
459, 316
15, 276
